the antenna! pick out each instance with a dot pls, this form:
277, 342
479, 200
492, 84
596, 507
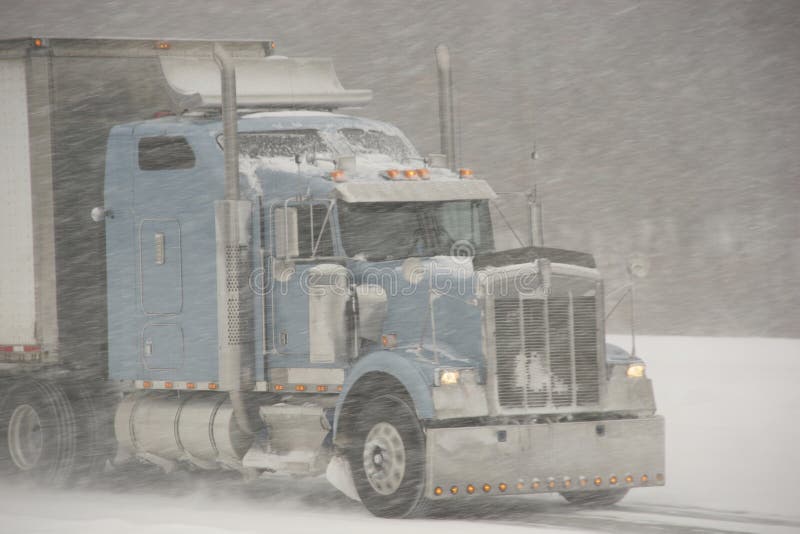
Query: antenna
535, 208
638, 267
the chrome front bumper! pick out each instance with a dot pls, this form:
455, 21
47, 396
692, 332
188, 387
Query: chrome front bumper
540, 458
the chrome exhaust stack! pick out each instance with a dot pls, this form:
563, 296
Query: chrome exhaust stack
229, 120
235, 322
446, 120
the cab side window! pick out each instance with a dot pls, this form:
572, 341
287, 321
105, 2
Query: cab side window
164, 153
308, 235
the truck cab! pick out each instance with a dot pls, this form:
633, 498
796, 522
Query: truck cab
253, 280
374, 282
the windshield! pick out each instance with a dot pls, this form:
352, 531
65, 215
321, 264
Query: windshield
291, 143
364, 142
279, 143
394, 230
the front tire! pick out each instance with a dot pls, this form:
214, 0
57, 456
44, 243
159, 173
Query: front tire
387, 457
599, 498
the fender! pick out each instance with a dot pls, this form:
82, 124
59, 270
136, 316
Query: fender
397, 366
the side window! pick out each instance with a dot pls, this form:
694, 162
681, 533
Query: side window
304, 230
165, 153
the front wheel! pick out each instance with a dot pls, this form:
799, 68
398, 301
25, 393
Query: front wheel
597, 498
387, 457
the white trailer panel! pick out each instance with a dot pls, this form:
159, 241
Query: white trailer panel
17, 283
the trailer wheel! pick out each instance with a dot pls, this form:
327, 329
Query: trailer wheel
95, 437
37, 433
387, 458
598, 498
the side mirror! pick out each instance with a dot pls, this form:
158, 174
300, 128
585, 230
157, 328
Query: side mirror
638, 265
286, 241
436, 160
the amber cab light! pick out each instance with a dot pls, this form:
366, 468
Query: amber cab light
389, 341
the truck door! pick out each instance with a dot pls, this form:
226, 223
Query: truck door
158, 239
291, 314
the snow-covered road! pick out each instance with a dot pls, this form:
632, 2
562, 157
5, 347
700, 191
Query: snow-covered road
733, 465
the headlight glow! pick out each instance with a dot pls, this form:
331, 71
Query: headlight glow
461, 376
635, 370
449, 377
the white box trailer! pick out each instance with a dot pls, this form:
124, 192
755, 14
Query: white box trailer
58, 100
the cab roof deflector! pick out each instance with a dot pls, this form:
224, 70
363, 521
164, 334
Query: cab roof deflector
261, 83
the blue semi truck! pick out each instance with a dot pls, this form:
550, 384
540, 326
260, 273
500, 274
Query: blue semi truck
209, 265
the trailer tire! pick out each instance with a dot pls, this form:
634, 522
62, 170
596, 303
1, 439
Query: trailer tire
387, 457
96, 444
37, 434
599, 498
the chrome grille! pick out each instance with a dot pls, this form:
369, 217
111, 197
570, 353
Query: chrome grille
546, 352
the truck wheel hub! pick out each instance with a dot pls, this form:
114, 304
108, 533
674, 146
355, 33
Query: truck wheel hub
25, 438
384, 458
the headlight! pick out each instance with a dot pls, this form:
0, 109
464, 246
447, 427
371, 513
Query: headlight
451, 377
635, 370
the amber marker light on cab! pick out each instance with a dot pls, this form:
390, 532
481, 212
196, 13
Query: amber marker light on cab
470, 489
424, 174
465, 173
438, 491
338, 176
389, 341
391, 174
